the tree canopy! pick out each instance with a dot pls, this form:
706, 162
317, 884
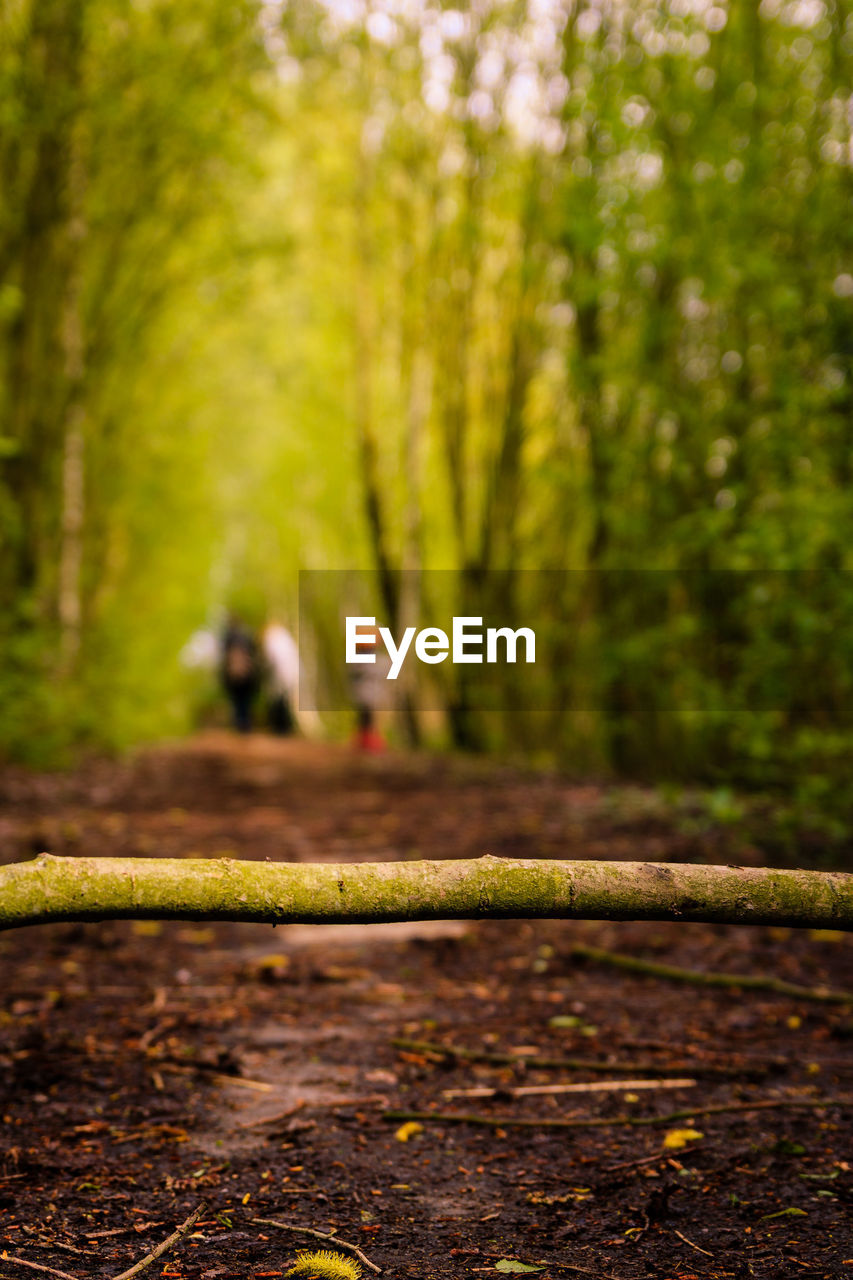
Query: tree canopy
399, 286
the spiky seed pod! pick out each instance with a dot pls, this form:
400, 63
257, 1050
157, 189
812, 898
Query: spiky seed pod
325, 1265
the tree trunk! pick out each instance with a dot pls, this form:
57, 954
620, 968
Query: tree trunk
50, 888
73, 485
71, 550
368, 443
42, 251
416, 385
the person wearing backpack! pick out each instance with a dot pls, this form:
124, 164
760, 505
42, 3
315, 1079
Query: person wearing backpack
281, 660
240, 672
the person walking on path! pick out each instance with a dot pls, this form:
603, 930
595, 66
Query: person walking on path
281, 659
368, 690
240, 672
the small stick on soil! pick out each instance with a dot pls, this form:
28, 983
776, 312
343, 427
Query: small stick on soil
42, 1243
318, 1235
203, 1068
138, 1227
165, 1246
692, 1245
35, 1266
754, 982
597, 1122
447, 1051
592, 1086
276, 1119
69, 1248
556, 1266
571, 1266
657, 1158
153, 1033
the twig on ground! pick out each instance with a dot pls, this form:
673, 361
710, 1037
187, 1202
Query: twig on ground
69, 1248
276, 1119
41, 1243
326, 1104
154, 1033
34, 1266
598, 1122
554, 1266
692, 1245
218, 1077
657, 1158
138, 1227
318, 1235
572, 1266
753, 982
590, 1086
447, 1051
164, 1247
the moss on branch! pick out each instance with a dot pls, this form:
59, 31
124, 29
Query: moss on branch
51, 888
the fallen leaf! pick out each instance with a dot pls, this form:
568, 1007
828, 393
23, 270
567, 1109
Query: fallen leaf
784, 1147
272, 961
408, 1130
197, 937
511, 1264
681, 1137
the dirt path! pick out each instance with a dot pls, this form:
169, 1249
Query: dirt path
147, 1067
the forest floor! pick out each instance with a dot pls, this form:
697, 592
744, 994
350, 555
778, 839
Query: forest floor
149, 1068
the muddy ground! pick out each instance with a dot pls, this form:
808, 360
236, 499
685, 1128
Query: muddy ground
149, 1068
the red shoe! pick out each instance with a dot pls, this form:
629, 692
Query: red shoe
369, 740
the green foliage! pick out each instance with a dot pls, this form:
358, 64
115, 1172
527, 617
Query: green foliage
433, 288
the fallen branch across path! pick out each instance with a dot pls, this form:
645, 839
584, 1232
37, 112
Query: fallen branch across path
319, 1235
751, 982
52, 888
449, 1052
597, 1122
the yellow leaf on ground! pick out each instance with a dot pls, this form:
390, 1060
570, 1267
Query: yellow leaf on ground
197, 937
680, 1137
408, 1130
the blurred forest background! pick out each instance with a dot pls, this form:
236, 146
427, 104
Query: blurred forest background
388, 284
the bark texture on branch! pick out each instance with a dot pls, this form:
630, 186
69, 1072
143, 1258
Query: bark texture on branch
50, 888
